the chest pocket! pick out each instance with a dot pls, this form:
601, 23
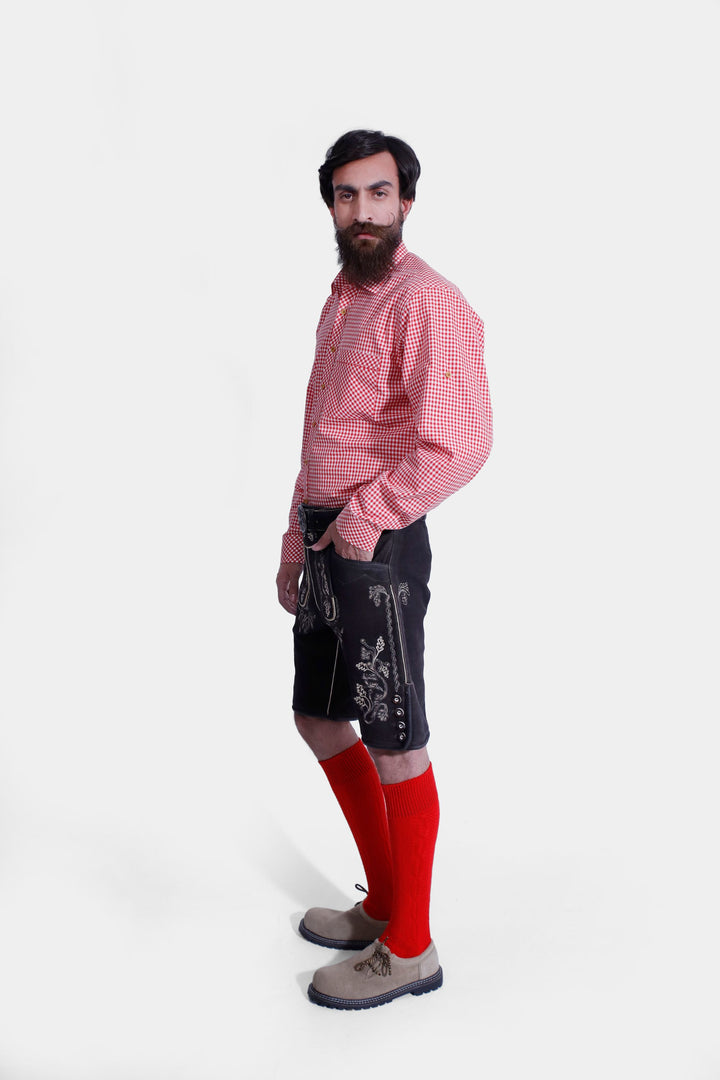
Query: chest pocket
353, 388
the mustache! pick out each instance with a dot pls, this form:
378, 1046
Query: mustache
368, 228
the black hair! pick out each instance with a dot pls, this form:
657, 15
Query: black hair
354, 145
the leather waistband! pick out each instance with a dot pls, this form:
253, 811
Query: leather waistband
316, 518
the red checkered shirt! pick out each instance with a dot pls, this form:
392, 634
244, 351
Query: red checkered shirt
397, 414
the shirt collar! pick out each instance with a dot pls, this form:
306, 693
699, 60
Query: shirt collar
341, 283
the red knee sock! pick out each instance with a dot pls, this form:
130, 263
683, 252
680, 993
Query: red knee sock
356, 786
413, 816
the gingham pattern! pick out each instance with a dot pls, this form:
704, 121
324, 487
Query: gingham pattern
397, 414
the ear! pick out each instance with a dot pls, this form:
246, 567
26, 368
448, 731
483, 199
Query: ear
332, 212
406, 206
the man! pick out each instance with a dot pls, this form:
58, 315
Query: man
397, 418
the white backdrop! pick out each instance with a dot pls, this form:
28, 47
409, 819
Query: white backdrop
164, 254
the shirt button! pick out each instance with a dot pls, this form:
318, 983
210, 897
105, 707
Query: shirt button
333, 349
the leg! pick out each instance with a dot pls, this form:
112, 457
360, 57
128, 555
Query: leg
326, 738
356, 785
320, 693
404, 960
413, 816
395, 767
381, 608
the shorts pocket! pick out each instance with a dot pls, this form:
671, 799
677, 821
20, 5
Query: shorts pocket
373, 647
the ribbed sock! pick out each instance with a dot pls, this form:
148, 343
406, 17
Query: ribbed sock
356, 786
413, 816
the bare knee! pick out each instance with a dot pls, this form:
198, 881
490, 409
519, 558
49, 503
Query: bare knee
394, 766
326, 738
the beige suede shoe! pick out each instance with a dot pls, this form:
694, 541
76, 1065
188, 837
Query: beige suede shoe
352, 929
374, 978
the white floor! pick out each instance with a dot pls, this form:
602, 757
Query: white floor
150, 953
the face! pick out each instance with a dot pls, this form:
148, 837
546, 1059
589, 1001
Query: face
368, 214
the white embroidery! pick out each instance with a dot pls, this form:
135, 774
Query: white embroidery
371, 694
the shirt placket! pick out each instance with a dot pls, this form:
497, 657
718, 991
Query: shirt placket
324, 362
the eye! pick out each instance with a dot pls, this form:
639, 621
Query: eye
380, 194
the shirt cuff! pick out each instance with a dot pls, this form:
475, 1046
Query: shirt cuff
293, 549
356, 531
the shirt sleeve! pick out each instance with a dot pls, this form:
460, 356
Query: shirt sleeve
293, 549
443, 376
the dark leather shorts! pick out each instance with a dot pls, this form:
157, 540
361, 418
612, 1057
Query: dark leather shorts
359, 638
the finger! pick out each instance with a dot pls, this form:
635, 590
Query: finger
291, 591
324, 540
354, 553
286, 597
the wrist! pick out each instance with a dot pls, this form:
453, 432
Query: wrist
357, 531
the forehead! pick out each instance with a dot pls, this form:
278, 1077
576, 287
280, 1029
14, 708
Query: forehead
367, 171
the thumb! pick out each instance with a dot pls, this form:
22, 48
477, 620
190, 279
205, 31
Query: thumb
323, 542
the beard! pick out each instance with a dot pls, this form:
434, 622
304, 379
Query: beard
365, 262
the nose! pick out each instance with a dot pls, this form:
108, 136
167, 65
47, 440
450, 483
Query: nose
363, 207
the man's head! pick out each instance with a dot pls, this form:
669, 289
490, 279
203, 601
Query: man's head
368, 183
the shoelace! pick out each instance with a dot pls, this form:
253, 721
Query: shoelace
362, 889
379, 963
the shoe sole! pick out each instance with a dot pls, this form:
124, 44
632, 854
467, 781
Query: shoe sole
332, 943
421, 986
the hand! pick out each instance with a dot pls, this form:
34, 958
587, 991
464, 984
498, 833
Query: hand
287, 580
344, 550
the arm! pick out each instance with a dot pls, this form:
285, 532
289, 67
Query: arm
443, 375
293, 550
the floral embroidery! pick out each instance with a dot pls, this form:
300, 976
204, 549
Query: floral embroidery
403, 591
371, 694
378, 595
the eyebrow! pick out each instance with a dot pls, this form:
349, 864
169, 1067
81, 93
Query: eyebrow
370, 187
